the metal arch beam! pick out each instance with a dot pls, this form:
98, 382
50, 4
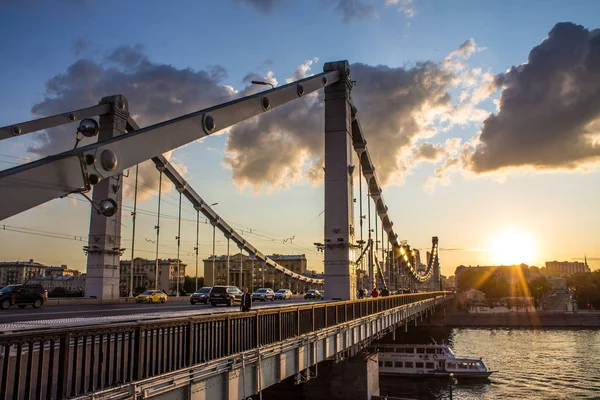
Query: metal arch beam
52, 177
35, 125
375, 191
224, 227
199, 204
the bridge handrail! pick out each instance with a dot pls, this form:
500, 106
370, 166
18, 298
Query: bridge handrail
85, 359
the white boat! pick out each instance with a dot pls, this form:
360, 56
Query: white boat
428, 360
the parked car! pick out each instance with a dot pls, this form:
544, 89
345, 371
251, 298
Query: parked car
283, 294
228, 295
23, 295
263, 294
200, 295
151, 296
313, 294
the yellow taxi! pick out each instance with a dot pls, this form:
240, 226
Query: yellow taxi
151, 296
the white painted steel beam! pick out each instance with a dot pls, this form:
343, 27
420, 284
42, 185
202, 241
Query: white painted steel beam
37, 182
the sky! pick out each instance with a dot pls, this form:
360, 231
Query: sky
482, 118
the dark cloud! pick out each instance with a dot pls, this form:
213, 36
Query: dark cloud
430, 152
264, 6
155, 92
396, 107
549, 110
355, 9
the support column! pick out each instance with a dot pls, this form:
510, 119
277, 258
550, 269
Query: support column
340, 267
104, 246
354, 378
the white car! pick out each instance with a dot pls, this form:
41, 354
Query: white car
283, 294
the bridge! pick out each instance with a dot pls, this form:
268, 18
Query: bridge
220, 355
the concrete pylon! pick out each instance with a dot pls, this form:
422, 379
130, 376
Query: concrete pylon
340, 267
104, 246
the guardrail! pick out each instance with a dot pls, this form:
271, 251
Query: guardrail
70, 362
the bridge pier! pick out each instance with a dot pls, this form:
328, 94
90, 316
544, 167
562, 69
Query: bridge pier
104, 246
340, 266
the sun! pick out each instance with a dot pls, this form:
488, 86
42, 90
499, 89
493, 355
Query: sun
514, 247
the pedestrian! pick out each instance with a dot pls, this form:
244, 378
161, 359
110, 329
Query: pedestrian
374, 293
246, 301
360, 293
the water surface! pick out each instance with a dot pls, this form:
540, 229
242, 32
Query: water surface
531, 364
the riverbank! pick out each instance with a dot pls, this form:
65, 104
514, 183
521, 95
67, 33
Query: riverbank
539, 319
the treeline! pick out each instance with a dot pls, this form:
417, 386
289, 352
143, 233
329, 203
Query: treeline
585, 287
496, 286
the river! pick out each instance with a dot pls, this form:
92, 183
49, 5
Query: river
531, 364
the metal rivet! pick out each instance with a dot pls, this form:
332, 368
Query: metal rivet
324, 80
209, 123
108, 159
265, 103
72, 117
90, 159
16, 130
94, 179
300, 89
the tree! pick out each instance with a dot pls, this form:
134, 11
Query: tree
538, 288
586, 289
189, 283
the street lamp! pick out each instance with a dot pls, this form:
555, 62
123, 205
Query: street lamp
262, 83
213, 248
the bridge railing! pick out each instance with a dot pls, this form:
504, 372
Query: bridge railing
64, 363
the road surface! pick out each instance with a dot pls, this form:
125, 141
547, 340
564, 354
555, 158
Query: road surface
69, 315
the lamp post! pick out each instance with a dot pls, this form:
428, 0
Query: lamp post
214, 224
263, 83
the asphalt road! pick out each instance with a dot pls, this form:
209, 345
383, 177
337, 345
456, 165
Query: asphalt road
15, 314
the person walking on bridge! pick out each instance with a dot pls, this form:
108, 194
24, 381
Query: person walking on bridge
374, 293
246, 301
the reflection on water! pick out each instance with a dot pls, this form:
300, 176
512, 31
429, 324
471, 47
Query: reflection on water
531, 364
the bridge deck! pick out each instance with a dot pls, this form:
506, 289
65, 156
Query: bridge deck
78, 361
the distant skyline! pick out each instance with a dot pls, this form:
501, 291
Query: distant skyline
483, 119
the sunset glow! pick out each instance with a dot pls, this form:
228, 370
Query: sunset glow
514, 247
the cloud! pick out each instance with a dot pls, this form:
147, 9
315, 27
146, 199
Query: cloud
398, 109
404, 6
549, 108
264, 6
355, 9
156, 92
302, 70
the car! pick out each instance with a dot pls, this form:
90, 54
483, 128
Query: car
283, 294
263, 294
23, 295
151, 296
201, 295
312, 294
228, 295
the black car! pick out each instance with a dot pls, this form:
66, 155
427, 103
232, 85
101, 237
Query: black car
23, 295
228, 295
313, 294
200, 295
